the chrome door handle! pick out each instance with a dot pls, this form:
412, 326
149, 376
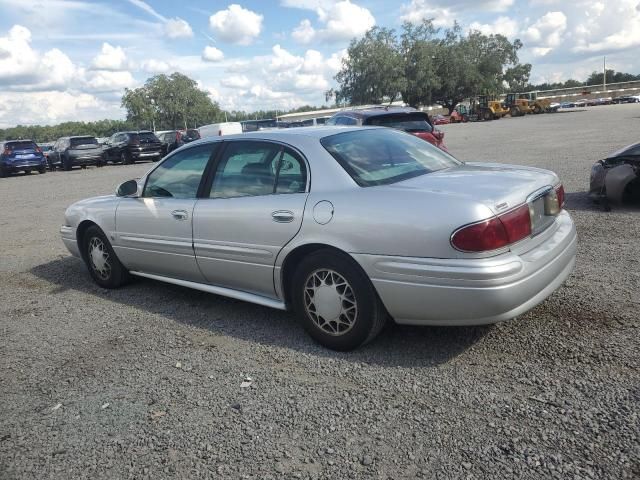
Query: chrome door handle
180, 214
282, 216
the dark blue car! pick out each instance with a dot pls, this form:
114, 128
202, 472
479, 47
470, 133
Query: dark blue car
21, 156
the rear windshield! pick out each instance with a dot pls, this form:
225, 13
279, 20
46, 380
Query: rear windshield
83, 141
144, 136
21, 145
409, 122
381, 156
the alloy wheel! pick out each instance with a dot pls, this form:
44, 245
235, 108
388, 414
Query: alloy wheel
330, 302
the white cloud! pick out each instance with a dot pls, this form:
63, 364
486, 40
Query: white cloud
503, 25
110, 58
155, 66
23, 68
109, 81
236, 25
177, 28
30, 108
235, 81
212, 54
547, 31
445, 12
341, 21
304, 33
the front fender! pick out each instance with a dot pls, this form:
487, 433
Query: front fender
616, 181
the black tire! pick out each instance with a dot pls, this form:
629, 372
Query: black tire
358, 295
125, 159
27, 171
487, 115
112, 273
67, 164
3, 172
42, 170
83, 167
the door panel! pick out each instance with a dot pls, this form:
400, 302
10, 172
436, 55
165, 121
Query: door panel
154, 236
237, 240
154, 232
255, 208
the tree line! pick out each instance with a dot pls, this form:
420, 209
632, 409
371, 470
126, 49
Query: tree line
422, 65
596, 78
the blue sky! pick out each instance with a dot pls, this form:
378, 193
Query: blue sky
71, 59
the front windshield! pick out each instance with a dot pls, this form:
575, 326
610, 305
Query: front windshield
383, 156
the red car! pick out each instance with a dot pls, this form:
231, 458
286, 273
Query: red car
440, 120
402, 118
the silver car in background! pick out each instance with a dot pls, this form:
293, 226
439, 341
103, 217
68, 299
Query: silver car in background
346, 226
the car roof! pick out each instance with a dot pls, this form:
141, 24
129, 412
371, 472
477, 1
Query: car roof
23, 140
287, 135
623, 150
376, 112
83, 136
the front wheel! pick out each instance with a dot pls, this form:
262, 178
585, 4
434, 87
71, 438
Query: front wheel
42, 170
336, 302
67, 164
125, 159
104, 267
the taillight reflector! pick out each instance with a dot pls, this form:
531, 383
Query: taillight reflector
494, 233
560, 195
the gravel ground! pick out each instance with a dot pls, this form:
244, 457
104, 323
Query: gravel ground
147, 381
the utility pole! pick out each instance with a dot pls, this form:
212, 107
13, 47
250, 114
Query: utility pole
604, 74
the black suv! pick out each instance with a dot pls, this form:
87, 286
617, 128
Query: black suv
69, 152
176, 138
407, 119
128, 147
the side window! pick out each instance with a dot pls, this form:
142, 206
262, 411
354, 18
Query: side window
246, 169
292, 174
179, 176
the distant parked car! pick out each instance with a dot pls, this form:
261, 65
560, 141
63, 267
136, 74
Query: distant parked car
567, 105
407, 119
46, 149
129, 147
220, 129
69, 152
627, 99
21, 156
173, 139
440, 120
255, 125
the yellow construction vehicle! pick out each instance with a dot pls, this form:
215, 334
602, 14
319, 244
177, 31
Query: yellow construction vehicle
536, 105
517, 106
493, 105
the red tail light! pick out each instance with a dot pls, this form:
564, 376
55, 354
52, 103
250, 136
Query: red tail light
177, 136
7, 151
135, 141
219, 133
38, 149
494, 233
560, 195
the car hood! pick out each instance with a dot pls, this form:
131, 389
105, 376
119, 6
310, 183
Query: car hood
498, 186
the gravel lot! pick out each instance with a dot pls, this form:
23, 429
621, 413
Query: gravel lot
145, 381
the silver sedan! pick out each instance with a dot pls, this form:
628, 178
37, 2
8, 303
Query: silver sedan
346, 226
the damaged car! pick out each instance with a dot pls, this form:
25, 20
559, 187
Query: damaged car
616, 179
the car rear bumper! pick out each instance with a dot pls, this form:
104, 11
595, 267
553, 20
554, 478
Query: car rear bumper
422, 291
24, 165
147, 154
68, 235
86, 160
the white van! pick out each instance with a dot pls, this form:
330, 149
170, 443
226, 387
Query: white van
220, 129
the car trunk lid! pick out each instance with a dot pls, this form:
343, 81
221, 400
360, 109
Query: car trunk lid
499, 187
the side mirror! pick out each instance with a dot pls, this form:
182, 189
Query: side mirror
127, 189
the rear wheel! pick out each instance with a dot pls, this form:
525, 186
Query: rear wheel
336, 302
67, 164
104, 267
487, 115
42, 170
514, 111
3, 172
125, 159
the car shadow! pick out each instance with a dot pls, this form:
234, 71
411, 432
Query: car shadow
397, 345
580, 201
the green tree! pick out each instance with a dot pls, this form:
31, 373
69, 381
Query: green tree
169, 102
419, 51
372, 72
517, 77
